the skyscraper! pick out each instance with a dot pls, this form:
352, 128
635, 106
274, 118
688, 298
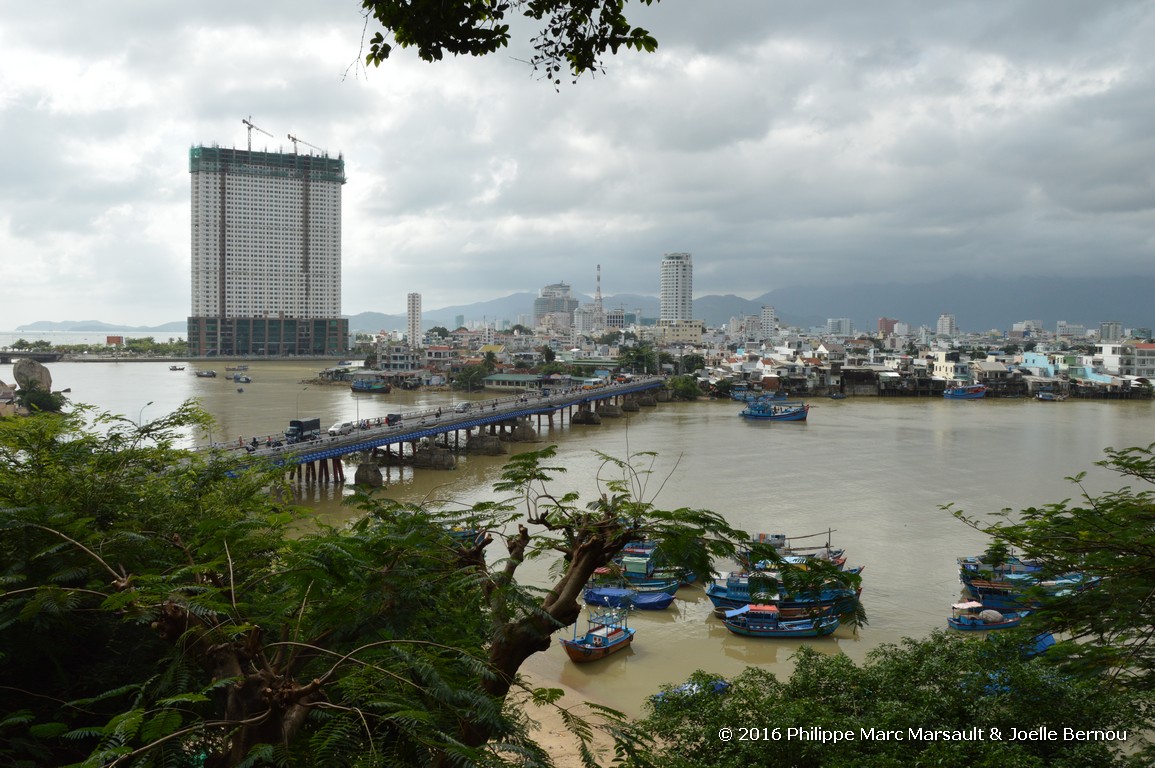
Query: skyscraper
266, 253
946, 325
414, 335
554, 299
677, 288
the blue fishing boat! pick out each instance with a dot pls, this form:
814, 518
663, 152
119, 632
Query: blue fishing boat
652, 601
626, 597
370, 381
973, 616
961, 391
607, 633
734, 592
775, 410
609, 597
764, 621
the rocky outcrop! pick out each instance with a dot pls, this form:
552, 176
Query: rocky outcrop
30, 374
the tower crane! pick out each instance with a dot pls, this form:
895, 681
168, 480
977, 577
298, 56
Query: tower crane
249, 124
297, 141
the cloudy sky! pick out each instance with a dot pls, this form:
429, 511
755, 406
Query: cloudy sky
779, 143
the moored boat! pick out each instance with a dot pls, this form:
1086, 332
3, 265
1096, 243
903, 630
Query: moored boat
176, 367
965, 392
609, 597
206, 374
775, 410
370, 381
625, 597
734, 591
757, 620
607, 633
973, 616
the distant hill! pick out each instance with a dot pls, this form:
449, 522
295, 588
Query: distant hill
977, 304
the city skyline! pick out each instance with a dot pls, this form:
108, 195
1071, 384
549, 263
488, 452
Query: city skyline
783, 146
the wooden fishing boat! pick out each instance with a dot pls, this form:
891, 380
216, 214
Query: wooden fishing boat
775, 410
765, 621
607, 633
965, 392
972, 616
627, 597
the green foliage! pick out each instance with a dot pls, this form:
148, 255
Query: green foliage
574, 34
470, 377
1110, 538
692, 362
684, 387
38, 400
945, 683
641, 358
160, 604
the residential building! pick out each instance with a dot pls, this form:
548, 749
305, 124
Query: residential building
676, 289
886, 326
839, 326
413, 333
946, 326
266, 253
769, 323
1065, 330
554, 299
1110, 331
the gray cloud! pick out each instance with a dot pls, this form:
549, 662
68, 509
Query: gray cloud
782, 144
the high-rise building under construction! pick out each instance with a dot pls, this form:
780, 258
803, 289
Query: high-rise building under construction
266, 253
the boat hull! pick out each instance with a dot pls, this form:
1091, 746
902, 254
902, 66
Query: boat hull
775, 410
582, 650
782, 628
971, 392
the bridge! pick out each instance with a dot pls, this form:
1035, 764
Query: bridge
8, 355
414, 427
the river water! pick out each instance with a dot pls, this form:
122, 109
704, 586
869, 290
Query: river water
874, 471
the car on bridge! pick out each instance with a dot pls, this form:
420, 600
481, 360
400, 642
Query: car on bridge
465, 407
343, 428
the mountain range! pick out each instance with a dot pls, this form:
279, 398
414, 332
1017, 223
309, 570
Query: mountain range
978, 305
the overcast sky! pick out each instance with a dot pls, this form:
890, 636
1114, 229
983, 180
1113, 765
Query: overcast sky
779, 143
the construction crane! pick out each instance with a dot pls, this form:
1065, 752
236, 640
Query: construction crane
249, 124
297, 141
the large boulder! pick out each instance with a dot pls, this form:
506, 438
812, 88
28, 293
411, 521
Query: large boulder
30, 374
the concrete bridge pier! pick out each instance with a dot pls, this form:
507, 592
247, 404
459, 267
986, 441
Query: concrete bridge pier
368, 474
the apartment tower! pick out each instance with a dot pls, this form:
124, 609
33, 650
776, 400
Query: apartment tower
677, 288
413, 332
266, 253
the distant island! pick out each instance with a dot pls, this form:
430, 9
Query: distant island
96, 326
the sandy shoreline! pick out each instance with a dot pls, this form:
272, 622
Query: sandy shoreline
552, 733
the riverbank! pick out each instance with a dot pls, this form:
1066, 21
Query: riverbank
553, 735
